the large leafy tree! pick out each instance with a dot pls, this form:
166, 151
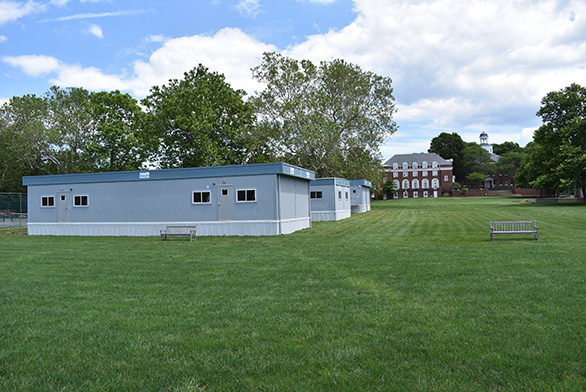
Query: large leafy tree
330, 118
24, 141
450, 146
118, 143
198, 121
72, 126
557, 158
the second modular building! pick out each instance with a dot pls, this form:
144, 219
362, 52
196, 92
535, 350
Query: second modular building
330, 199
261, 199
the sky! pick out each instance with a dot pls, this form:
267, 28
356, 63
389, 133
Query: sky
463, 66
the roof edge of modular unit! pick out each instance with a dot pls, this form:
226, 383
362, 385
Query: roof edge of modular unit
173, 174
331, 181
364, 183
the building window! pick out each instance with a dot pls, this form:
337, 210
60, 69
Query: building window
80, 201
445, 178
346, 195
47, 201
397, 185
405, 184
339, 195
435, 173
424, 164
405, 165
425, 184
204, 197
246, 195
415, 173
316, 194
425, 194
405, 195
415, 194
414, 165
424, 173
415, 184
435, 183
434, 164
395, 174
225, 191
404, 174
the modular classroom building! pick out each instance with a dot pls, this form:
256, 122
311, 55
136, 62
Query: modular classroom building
360, 196
260, 199
330, 199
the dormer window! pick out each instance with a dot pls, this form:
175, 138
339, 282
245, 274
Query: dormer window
434, 164
395, 166
414, 165
405, 165
424, 165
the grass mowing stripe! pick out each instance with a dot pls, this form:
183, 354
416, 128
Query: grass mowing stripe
410, 296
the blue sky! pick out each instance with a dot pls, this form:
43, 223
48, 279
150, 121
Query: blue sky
457, 66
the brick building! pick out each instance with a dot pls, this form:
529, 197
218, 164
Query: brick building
420, 175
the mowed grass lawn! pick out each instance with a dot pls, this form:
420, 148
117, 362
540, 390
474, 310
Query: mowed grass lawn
412, 296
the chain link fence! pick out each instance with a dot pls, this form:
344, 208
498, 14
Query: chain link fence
13, 209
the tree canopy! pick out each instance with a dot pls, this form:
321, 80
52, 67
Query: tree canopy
198, 121
330, 118
450, 146
557, 157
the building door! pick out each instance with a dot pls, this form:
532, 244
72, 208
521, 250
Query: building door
434, 193
225, 203
63, 207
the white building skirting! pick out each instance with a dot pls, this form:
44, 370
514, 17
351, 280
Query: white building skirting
146, 229
317, 216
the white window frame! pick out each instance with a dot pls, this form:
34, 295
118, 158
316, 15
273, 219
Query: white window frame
395, 166
48, 198
434, 164
245, 195
80, 198
405, 165
446, 178
424, 164
405, 182
435, 173
425, 183
415, 194
347, 195
415, 184
201, 197
339, 195
405, 174
395, 174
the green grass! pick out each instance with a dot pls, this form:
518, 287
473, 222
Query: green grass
410, 296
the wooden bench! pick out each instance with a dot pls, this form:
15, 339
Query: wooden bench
179, 231
514, 227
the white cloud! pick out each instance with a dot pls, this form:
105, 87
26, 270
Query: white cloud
34, 65
229, 52
11, 10
96, 31
248, 8
97, 15
454, 61
3, 39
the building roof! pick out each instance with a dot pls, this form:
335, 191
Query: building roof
330, 181
416, 157
173, 174
364, 183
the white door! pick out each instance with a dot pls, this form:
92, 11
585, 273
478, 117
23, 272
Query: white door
63, 207
225, 203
